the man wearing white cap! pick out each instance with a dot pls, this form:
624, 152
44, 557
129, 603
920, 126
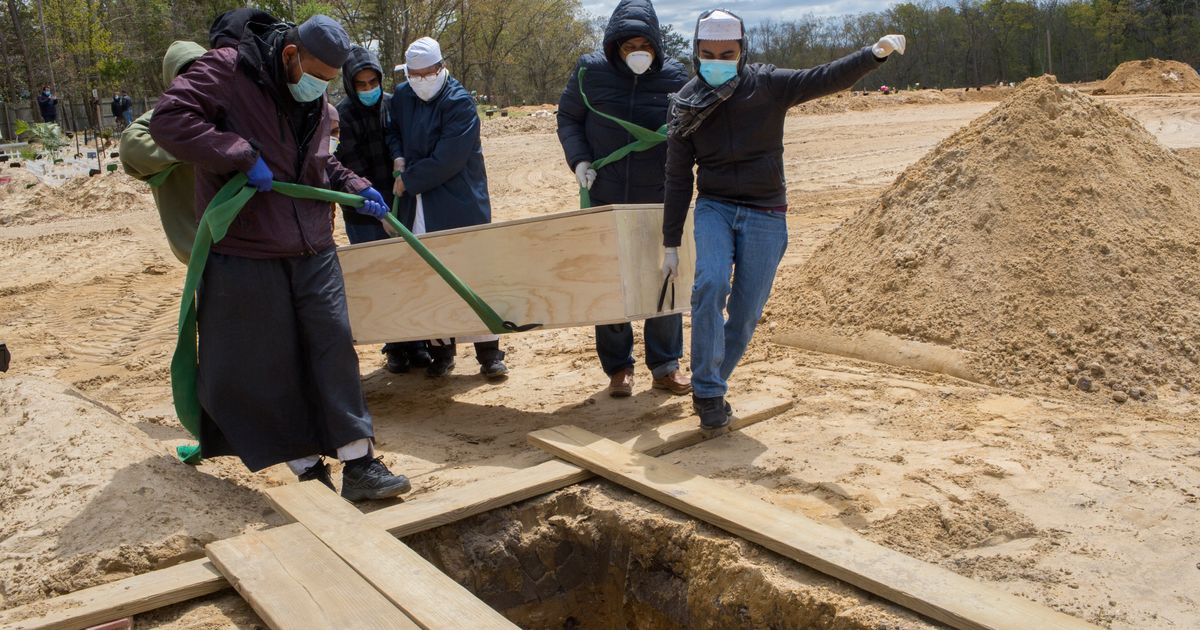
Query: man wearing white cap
433, 136
728, 121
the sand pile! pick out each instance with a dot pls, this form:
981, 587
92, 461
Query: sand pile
1150, 76
848, 101
27, 202
88, 497
1053, 238
516, 125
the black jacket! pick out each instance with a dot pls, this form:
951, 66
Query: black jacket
739, 148
363, 148
48, 105
614, 89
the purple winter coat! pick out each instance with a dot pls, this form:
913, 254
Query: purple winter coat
219, 115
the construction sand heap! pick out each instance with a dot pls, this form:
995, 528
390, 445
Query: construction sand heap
1053, 239
1150, 76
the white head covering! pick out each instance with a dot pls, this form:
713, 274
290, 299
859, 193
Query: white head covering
720, 26
423, 53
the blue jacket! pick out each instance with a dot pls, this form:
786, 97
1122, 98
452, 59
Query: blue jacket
614, 89
439, 141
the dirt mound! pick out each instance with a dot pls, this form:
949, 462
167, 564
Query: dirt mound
27, 201
1053, 239
1150, 76
515, 125
848, 101
89, 498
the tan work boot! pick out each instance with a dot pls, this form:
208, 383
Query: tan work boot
620, 384
675, 382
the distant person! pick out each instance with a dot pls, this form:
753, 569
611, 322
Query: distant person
116, 107
278, 375
142, 158
433, 136
728, 121
364, 150
47, 105
629, 78
126, 108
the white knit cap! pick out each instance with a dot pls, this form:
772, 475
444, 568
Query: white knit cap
423, 53
720, 26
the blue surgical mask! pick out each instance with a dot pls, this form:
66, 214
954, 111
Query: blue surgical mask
309, 88
370, 97
718, 72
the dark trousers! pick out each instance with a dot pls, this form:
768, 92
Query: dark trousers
664, 345
278, 375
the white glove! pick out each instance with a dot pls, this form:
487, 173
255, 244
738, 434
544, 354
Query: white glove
398, 165
671, 262
585, 175
889, 44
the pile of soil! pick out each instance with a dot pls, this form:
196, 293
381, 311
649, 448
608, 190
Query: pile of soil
517, 125
1150, 76
27, 201
1053, 239
849, 101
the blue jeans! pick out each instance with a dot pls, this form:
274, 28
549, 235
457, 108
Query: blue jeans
744, 243
664, 345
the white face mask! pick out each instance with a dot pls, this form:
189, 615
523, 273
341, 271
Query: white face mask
428, 87
639, 61
333, 145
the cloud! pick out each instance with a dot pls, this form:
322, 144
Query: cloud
682, 14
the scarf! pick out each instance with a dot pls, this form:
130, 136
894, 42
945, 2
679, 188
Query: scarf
695, 102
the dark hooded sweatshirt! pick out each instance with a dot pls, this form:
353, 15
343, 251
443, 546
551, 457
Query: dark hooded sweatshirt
739, 148
614, 89
363, 148
229, 106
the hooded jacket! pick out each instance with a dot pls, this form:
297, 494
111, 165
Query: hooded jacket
48, 106
143, 158
363, 148
439, 141
739, 147
229, 108
614, 89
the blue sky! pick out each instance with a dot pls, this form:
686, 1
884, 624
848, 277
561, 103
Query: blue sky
683, 13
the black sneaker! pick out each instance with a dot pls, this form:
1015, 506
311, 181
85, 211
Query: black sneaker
320, 472
397, 361
420, 358
367, 479
440, 367
494, 370
715, 413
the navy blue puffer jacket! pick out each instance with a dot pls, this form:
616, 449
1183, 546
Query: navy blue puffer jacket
614, 89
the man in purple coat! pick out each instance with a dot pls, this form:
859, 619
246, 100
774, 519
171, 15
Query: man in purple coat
278, 375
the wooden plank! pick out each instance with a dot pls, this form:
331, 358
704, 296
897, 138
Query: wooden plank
106, 602
641, 255
559, 271
292, 580
919, 586
428, 596
452, 504
156, 589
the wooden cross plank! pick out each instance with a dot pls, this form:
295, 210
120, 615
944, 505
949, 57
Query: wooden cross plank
919, 586
292, 580
189, 580
428, 596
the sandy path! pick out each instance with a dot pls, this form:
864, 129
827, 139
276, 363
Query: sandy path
1053, 499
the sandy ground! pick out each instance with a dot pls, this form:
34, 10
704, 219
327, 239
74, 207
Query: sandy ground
1088, 508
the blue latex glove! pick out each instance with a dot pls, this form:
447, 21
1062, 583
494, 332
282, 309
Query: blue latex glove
375, 207
260, 176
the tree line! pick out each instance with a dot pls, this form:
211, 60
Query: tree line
521, 51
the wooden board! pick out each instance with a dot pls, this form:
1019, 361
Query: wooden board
560, 271
115, 600
919, 586
292, 580
409, 581
189, 580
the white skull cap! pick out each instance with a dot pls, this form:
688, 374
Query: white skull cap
423, 53
720, 26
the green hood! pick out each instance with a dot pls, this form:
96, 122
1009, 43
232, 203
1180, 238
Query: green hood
179, 54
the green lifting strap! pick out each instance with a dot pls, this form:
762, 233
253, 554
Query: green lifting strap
644, 139
214, 224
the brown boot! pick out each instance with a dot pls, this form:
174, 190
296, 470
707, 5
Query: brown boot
675, 382
620, 384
